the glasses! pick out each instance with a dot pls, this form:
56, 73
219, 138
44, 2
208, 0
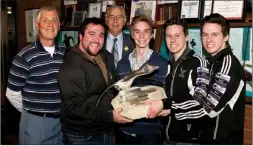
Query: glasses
112, 17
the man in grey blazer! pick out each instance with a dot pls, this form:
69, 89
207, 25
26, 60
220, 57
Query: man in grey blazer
118, 43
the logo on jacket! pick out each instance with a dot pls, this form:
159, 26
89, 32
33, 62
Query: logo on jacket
126, 48
182, 71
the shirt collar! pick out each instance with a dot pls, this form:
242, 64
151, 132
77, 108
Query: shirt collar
186, 53
40, 47
119, 37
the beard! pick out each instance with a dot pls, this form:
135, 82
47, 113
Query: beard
89, 50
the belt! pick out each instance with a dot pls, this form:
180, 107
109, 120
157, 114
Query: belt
49, 115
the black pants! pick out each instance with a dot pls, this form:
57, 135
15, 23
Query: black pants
122, 138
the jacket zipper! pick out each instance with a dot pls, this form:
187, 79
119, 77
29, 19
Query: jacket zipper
171, 93
216, 127
172, 82
167, 128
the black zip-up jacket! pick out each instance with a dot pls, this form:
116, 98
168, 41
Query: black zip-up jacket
184, 123
81, 82
223, 100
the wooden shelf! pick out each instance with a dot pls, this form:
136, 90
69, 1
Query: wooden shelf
159, 25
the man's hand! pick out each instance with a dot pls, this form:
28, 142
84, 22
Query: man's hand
155, 107
164, 112
118, 118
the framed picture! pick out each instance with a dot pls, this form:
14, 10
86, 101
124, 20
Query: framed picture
147, 8
207, 8
78, 17
160, 2
190, 10
67, 38
106, 3
231, 10
194, 42
70, 2
31, 31
95, 10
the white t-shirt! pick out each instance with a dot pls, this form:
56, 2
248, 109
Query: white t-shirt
50, 50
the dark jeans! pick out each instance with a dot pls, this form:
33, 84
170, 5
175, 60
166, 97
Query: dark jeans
96, 139
122, 138
170, 142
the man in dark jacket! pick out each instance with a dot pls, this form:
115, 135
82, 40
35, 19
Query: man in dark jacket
88, 70
224, 98
118, 43
141, 32
220, 88
180, 128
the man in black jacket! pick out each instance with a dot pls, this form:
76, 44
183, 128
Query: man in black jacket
219, 89
85, 74
224, 97
179, 126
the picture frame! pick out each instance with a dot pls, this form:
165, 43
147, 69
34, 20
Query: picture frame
143, 7
67, 38
95, 10
194, 42
68, 13
190, 10
70, 2
30, 18
161, 2
78, 17
106, 3
231, 10
207, 8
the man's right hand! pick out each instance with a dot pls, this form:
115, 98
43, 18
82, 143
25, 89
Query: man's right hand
118, 118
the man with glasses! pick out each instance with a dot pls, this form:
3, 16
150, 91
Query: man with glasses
118, 43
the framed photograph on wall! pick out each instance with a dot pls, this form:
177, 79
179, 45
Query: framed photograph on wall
95, 10
147, 8
231, 10
78, 17
31, 31
160, 2
106, 3
190, 10
207, 8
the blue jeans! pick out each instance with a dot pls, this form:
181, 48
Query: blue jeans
96, 139
36, 130
122, 138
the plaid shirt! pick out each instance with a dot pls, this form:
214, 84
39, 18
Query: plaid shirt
135, 65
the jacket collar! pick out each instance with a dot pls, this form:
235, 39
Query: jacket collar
220, 54
185, 55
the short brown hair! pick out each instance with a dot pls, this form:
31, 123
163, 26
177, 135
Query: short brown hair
217, 19
141, 18
176, 22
